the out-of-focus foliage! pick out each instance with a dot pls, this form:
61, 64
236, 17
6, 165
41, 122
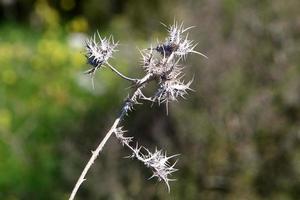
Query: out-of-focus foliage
38, 97
238, 134
142, 15
245, 144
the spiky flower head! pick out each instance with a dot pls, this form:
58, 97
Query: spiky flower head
170, 90
99, 50
158, 162
177, 42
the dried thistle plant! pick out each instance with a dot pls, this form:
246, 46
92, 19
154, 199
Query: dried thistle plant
162, 65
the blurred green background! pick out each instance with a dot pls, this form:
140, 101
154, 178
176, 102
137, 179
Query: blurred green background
238, 134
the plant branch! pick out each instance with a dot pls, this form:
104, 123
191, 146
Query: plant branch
163, 69
127, 107
94, 157
120, 74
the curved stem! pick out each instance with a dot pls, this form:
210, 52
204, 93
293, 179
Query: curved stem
95, 153
94, 156
120, 74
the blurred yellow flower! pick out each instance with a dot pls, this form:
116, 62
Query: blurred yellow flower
67, 4
78, 24
5, 119
9, 77
47, 15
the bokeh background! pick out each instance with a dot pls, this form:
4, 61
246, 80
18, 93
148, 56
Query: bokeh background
238, 134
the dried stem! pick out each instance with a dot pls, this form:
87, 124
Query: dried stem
94, 157
120, 74
95, 154
158, 161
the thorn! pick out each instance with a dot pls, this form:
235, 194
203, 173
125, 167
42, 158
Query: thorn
163, 24
188, 28
196, 52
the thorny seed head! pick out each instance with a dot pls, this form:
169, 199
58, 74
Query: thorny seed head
177, 42
170, 90
159, 67
99, 50
158, 162
165, 67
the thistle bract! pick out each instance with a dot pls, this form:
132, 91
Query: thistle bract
98, 51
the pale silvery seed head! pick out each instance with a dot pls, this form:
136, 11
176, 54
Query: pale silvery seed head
177, 42
170, 90
158, 162
157, 66
99, 50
